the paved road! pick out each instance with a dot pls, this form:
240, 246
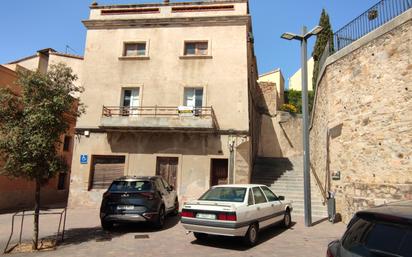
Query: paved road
84, 237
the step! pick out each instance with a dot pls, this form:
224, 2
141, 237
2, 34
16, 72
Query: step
282, 178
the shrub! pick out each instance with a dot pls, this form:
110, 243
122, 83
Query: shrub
289, 108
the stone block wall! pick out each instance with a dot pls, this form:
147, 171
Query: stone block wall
281, 135
362, 121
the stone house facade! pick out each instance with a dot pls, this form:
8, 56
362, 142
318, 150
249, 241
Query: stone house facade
169, 90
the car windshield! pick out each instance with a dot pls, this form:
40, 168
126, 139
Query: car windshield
130, 186
224, 194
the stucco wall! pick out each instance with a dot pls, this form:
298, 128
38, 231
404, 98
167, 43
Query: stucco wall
223, 77
281, 136
280, 132
75, 64
18, 193
362, 125
295, 82
277, 78
240, 8
194, 153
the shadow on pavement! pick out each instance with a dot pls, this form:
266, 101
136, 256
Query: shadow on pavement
76, 236
319, 221
235, 243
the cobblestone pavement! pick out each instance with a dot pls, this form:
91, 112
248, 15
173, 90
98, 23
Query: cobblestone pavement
84, 237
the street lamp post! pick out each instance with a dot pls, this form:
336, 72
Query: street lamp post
305, 113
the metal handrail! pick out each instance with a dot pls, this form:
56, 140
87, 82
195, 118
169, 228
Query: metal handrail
155, 111
374, 17
318, 182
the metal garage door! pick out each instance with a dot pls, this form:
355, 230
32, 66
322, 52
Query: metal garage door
105, 169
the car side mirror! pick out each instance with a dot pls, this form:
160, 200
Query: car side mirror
281, 198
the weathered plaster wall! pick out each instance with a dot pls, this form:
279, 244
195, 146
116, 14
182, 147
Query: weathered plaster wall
281, 136
194, 153
18, 193
224, 76
362, 124
280, 132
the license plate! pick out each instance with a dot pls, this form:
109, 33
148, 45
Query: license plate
206, 216
125, 207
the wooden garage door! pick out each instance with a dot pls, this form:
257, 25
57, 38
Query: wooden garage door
105, 170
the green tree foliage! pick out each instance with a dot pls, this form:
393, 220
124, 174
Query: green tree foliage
31, 125
294, 97
321, 41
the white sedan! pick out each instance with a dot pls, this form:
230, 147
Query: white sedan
235, 210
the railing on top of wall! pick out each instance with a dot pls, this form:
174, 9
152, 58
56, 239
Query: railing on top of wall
373, 18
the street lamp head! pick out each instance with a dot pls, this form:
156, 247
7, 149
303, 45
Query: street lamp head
316, 30
289, 36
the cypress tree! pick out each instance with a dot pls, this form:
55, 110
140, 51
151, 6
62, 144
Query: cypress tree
321, 42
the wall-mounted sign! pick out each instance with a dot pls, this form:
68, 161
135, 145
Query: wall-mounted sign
185, 110
84, 159
336, 175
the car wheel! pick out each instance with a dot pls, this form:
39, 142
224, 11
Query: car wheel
200, 236
287, 219
251, 236
160, 221
107, 225
176, 208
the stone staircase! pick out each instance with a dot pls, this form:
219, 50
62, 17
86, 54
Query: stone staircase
285, 177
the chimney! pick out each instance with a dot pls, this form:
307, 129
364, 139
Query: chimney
166, 1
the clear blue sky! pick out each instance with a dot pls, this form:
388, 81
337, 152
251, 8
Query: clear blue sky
30, 25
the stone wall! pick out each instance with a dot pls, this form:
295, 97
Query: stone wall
280, 132
362, 121
281, 135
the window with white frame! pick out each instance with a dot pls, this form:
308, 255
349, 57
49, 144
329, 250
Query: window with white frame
134, 49
196, 48
193, 97
130, 101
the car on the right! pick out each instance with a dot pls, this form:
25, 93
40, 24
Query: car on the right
382, 231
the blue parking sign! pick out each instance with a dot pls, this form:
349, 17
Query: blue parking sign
83, 159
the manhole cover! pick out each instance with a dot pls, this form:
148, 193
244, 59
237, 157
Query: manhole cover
141, 236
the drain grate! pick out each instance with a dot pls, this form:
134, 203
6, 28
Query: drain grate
103, 239
141, 236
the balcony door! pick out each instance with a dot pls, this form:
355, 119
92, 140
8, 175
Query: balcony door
193, 97
130, 101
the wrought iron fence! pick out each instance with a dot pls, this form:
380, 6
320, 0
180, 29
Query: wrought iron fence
373, 18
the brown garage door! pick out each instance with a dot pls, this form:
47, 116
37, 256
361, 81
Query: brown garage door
105, 169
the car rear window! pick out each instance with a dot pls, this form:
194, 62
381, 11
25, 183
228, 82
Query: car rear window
369, 237
225, 194
131, 186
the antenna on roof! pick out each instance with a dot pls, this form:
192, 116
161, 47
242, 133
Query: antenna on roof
69, 48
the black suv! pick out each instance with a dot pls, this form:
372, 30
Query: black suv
138, 199
385, 230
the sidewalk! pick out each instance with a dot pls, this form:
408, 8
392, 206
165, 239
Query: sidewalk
84, 237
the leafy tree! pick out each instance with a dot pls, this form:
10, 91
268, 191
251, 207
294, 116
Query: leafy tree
294, 97
31, 126
325, 36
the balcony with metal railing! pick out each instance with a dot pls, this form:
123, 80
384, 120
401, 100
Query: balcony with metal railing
159, 118
371, 19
